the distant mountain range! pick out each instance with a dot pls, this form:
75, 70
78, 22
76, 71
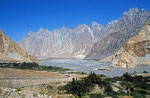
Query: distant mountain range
64, 43
90, 42
11, 52
78, 41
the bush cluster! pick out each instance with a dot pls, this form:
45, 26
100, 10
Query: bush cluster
131, 85
82, 86
31, 66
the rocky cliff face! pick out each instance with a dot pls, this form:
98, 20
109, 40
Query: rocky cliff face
119, 33
10, 51
136, 50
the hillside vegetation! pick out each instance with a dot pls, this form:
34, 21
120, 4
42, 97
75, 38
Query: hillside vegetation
33, 66
126, 85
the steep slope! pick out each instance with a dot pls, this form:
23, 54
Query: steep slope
136, 50
123, 29
10, 51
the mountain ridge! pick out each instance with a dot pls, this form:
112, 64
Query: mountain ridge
64, 37
91, 42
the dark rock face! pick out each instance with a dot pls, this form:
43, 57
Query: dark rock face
126, 27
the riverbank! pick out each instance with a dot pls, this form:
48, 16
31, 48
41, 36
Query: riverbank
90, 65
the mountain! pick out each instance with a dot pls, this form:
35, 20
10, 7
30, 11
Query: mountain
135, 51
65, 42
93, 42
126, 27
62, 43
10, 51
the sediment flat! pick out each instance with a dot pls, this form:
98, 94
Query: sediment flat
21, 78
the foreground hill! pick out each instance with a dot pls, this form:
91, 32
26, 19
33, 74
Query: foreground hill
126, 27
10, 51
136, 50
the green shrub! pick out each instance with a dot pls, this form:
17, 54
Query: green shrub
49, 87
18, 89
42, 92
145, 72
35, 95
85, 85
96, 96
137, 95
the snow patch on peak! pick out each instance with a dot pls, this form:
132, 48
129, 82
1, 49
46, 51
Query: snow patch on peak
80, 56
91, 32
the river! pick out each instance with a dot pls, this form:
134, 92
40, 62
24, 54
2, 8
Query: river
90, 65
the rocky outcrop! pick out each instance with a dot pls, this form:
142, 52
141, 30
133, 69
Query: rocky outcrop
136, 50
122, 59
10, 51
128, 26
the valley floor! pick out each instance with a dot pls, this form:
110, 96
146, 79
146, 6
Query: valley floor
21, 80
30, 83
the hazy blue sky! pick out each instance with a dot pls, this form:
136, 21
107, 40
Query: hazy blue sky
18, 17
